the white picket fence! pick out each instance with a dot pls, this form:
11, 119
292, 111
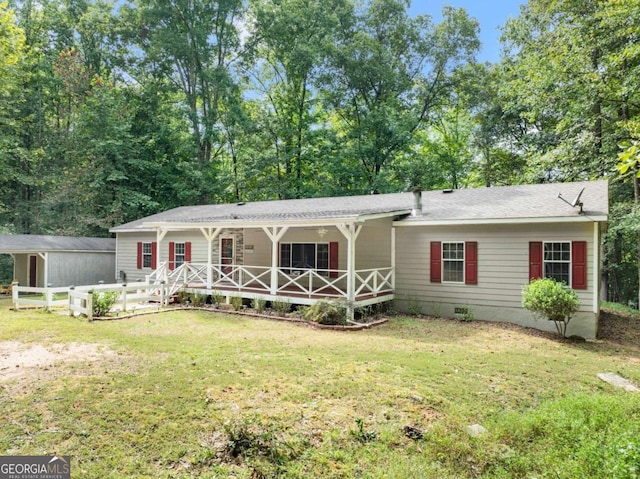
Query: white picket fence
79, 300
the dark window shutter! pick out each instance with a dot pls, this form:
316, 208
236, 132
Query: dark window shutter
471, 262
579, 265
187, 252
139, 255
535, 260
436, 262
333, 259
172, 255
154, 255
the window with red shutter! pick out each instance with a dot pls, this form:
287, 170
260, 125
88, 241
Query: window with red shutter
535, 260
172, 255
471, 262
579, 265
154, 255
139, 261
436, 262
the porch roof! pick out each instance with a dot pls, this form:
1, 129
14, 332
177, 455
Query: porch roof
15, 244
278, 212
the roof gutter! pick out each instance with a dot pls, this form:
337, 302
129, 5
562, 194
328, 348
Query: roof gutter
494, 221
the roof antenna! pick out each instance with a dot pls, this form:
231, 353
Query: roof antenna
575, 202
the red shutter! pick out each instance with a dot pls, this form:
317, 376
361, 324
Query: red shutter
154, 255
579, 265
471, 262
139, 255
333, 259
172, 255
436, 262
535, 260
187, 252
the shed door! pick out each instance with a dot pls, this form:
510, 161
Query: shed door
33, 271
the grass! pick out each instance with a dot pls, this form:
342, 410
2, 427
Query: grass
198, 394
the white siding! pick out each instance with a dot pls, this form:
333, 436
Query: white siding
503, 270
127, 255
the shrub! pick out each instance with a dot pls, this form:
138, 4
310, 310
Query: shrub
198, 299
326, 312
552, 300
258, 304
216, 298
236, 302
281, 307
102, 302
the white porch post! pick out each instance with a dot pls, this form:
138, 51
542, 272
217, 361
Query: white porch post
160, 234
393, 259
210, 235
45, 259
351, 232
275, 234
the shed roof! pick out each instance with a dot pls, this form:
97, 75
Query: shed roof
46, 243
495, 204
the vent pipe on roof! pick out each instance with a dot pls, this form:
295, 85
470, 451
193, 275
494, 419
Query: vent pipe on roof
417, 203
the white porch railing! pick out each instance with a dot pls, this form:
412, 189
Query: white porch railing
307, 282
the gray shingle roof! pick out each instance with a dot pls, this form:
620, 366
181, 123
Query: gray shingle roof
42, 243
515, 202
496, 203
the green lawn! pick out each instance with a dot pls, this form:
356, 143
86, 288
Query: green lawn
197, 394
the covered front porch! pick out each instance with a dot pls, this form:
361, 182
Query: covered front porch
298, 263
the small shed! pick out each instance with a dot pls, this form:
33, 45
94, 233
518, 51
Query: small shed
57, 261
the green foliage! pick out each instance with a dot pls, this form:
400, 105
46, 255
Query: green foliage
552, 300
216, 298
258, 304
281, 306
198, 299
236, 302
362, 435
103, 301
326, 312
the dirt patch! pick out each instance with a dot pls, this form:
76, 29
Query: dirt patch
619, 328
19, 360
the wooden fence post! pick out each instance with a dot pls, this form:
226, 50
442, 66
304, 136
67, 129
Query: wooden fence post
89, 305
48, 298
71, 299
123, 297
15, 295
162, 294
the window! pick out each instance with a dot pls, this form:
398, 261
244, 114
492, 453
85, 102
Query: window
147, 255
295, 257
453, 262
561, 260
557, 261
179, 254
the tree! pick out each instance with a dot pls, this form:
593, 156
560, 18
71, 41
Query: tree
292, 38
389, 72
572, 70
192, 44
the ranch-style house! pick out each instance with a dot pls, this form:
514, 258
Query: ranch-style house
441, 252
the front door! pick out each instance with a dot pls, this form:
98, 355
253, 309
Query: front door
33, 271
226, 254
